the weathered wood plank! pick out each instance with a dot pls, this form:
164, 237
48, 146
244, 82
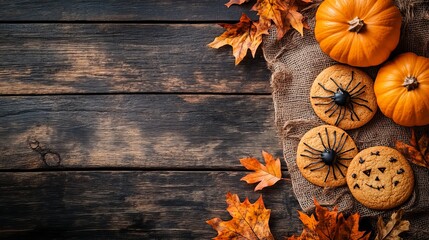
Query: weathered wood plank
106, 58
130, 205
120, 10
154, 131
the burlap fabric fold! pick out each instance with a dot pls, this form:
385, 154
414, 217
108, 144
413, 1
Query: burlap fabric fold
295, 62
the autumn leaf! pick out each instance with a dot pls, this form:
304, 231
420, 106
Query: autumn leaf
393, 228
325, 225
416, 152
267, 175
249, 221
241, 36
284, 14
296, 19
273, 10
232, 2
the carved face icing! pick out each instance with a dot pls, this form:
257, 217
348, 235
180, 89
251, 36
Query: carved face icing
379, 177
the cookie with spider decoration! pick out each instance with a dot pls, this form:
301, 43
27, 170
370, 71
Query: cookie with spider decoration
324, 154
343, 96
380, 178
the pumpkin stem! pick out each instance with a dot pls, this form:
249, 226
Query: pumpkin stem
356, 25
410, 83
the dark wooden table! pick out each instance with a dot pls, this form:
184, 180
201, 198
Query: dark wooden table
118, 122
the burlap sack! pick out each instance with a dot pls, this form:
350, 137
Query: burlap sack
295, 62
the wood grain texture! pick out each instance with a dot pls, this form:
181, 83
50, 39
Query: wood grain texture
107, 58
154, 131
130, 205
121, 10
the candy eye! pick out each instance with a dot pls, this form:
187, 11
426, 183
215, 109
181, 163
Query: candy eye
382, 169
367, 172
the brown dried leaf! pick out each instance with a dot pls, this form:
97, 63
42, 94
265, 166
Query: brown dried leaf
241, 36
417, 152
393, 228
423, 145
249, 221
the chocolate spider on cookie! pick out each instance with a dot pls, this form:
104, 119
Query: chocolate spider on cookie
324, 154
380, 178
343, 96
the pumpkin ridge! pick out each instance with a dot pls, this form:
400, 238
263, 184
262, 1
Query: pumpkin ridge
401, 110
330, 42
391, 103
373, 8
418, 95
424, 95
421, 68
382, 16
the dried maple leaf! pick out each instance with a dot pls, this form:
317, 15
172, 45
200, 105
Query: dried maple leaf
284, 14
266, 175
416, 152
393, 228
273, 10
296, 19
232, 2
241, 36
326, 225
249, 221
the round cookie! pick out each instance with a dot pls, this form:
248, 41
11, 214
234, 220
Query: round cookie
380, 178
323, 155
343, 96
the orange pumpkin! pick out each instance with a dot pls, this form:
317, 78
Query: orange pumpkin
402, 90
358, 32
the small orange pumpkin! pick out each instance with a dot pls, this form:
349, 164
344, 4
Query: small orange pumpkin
402, 90
358, 32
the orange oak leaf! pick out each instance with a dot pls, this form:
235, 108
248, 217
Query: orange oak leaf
416, 152
232, 2
241, 36
249, 221
325, 225
267, 175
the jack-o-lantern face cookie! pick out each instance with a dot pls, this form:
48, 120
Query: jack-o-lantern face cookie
343, 96
323, 155
380, 178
